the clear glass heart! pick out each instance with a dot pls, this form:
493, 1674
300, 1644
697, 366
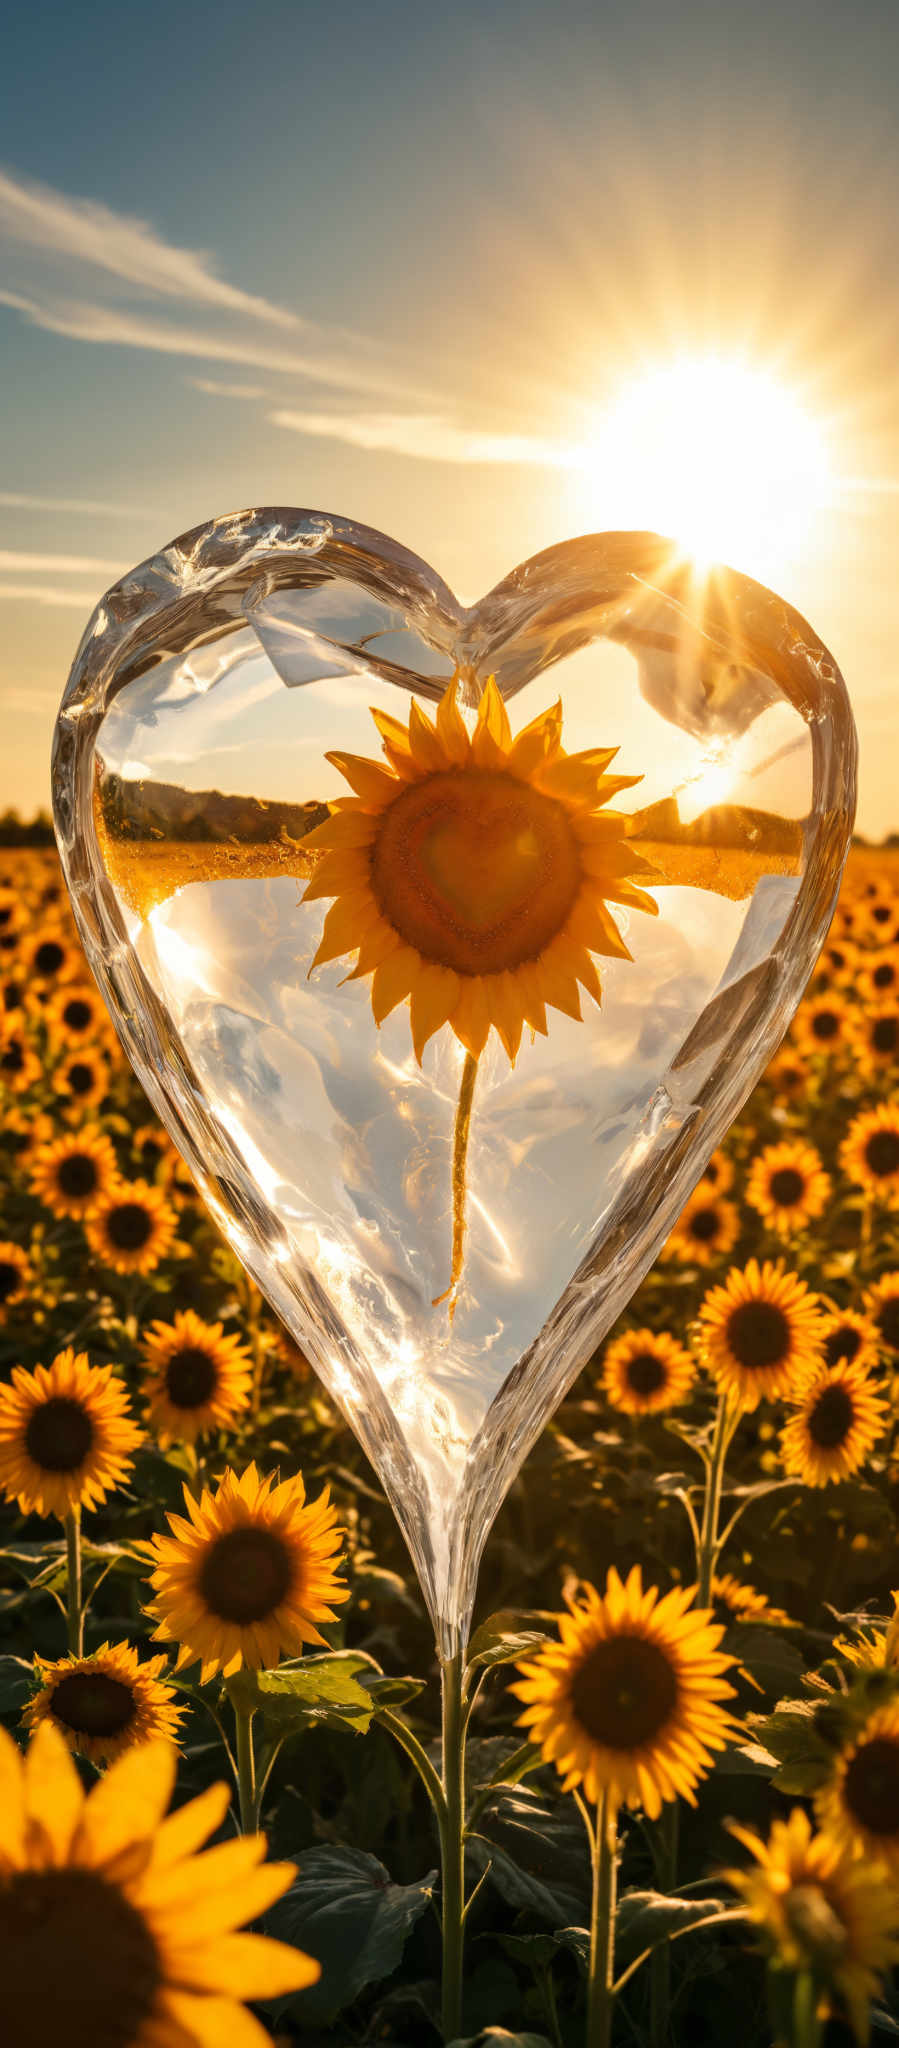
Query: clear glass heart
195, 794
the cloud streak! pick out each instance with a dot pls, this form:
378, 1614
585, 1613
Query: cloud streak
123, 247
91, 508
22, 563
427, 437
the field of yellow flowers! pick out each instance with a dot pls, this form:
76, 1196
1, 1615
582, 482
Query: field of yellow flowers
217, 1682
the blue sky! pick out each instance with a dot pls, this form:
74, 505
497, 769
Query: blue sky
395, 262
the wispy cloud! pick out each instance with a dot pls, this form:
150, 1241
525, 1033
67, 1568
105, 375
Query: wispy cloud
90, 508
49, 594
122, 247
74, 267
22, 563
218, 389
428, 437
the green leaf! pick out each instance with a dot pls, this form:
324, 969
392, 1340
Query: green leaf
536, 1951
501, 1639
537, 1853
344, 1909
314, 1689
17, 1679
387, 1691
770, 1659
646, 1919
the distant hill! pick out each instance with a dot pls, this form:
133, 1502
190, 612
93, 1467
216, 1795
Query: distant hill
735, 826
160, 810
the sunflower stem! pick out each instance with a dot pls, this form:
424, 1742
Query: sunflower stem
246, 1770
709, 1542
601, 1980
74, 1594
806, 2021
666, 1846
452, 1851
461, 1134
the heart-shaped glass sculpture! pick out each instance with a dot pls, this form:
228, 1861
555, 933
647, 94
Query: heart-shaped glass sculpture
447, 942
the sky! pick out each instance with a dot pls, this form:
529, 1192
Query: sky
462, 274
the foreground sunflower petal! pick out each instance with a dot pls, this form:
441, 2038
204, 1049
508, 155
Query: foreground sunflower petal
107, 1903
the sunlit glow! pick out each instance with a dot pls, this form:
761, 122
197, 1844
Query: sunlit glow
719, 453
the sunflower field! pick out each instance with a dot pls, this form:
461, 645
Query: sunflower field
221, 1816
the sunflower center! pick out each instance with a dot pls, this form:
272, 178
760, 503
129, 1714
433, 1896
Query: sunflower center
624, 1692
885, 1033
825, 1024
81, 1077
59, 1434
871, 1786
92, 1703
881, 913
49, 957
831, 1418
77, 1014
129, 1226
884, 975
70, 1929
77, 1175
645, 1373
888, 1321
246, 1574
758, 1334
190, 1377
705, 1225
475, 869
13, 1058
841, 1344
882, 1152
786, 1187
10, 1279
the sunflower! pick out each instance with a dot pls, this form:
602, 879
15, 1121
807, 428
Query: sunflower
644, 1374
719, 1173
76, 1012
820, 1911
850, 1336
627, 1703
72, 1175
16, 1277
734, 1604
105, 1703
878, 975
839, 1417
155, 1154
869, 1154
875, 1037
248, 1576
132, 1228
874, 1648
882, 918
859, 1804
10, 909
196, 1378
20, 1067
472, 875
66, 1436
788, 1186
881, 1303
706, 1230
113, 1932
788, 1074
760, 1332
51, 956
83, 1080
22, 1133
822, 1025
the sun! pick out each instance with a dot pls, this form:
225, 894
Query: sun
720, 453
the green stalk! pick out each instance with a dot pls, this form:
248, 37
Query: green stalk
452, 1821
74, 1595
806, 2024
709, 1543
666, 1845
246, 1771
600, 1988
